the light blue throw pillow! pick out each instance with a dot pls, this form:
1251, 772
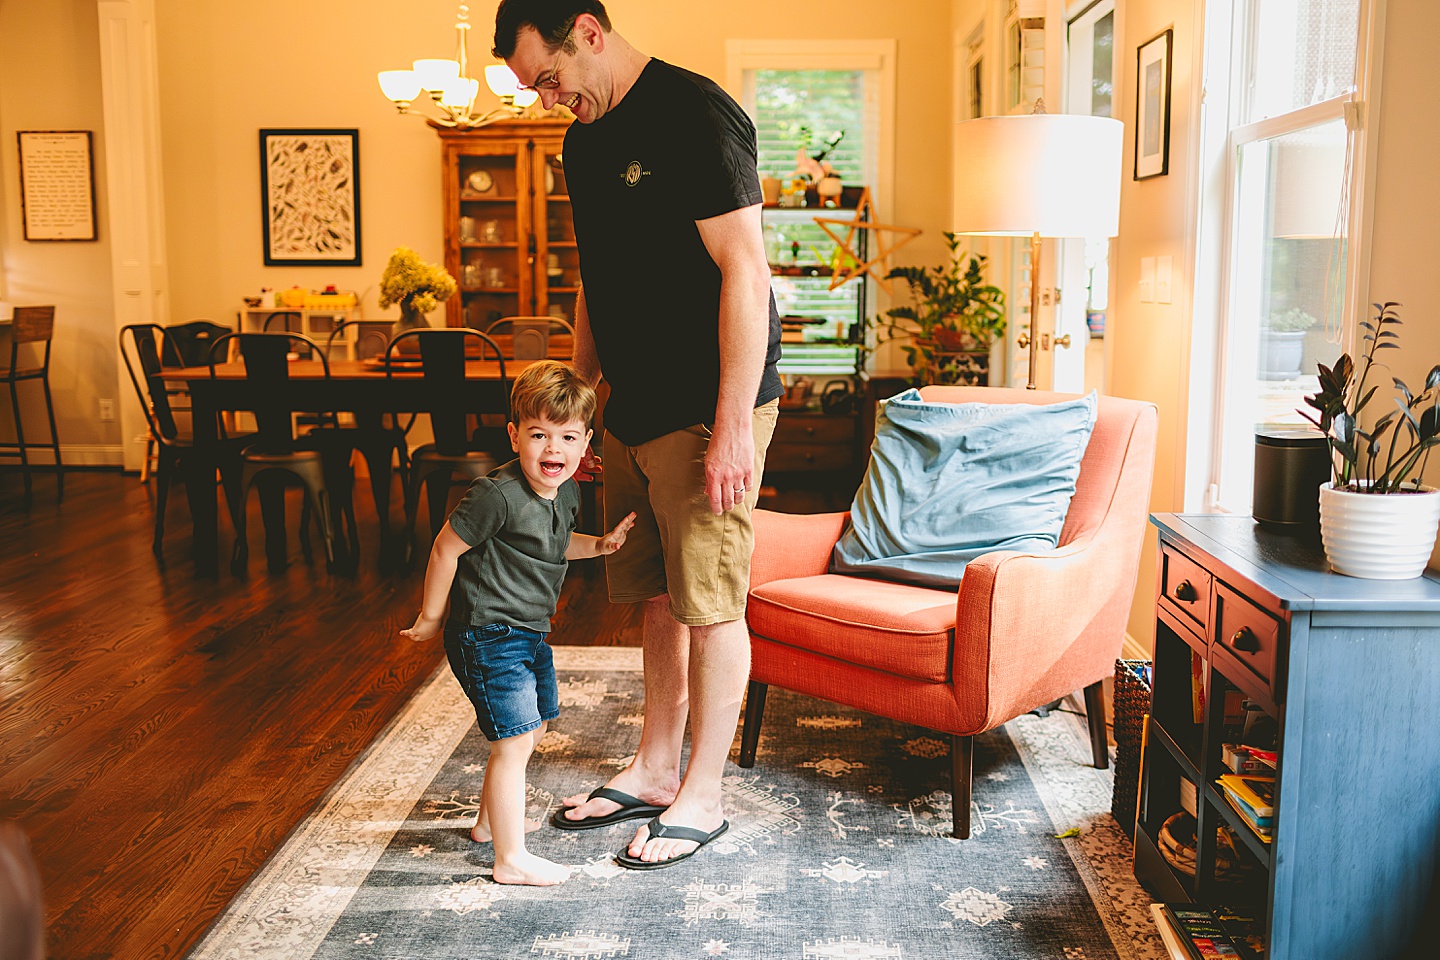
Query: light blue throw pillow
948, 482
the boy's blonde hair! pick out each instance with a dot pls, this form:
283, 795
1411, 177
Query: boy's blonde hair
551, 390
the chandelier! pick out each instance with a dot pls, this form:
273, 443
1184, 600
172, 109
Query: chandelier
452, 89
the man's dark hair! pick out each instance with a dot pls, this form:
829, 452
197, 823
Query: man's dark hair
552, 19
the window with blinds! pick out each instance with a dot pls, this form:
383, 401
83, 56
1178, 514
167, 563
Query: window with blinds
795, 109
790, 106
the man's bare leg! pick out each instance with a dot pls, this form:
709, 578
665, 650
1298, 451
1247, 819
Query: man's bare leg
654, 775
719, 669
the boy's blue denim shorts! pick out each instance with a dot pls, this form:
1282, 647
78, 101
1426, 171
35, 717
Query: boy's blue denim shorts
508, 674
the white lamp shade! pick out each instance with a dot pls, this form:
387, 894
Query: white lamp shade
1051, 174
435, 74
459, 92
526, 97
400, 85
501, 80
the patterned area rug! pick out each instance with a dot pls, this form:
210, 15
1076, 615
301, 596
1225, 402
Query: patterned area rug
837, 847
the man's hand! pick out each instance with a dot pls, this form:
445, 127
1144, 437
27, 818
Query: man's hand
729, 466
615, 539
424, 629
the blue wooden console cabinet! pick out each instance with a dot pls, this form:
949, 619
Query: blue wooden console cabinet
1350, 671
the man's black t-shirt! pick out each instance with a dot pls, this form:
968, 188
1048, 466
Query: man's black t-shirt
676, 149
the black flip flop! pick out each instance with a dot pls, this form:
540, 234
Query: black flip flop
665, 831
631, 808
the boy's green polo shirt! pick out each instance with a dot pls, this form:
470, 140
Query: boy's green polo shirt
515, 566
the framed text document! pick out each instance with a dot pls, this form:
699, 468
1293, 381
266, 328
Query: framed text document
57, 184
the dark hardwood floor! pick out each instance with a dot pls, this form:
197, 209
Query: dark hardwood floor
160, 735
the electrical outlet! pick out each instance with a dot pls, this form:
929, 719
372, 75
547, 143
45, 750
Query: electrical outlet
107, 409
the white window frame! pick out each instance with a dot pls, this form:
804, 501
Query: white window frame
877, 55
1217, 210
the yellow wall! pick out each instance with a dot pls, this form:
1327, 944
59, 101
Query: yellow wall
50, 80
318, 70
1150, 358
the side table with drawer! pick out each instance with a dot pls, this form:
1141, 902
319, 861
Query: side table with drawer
814, 461
1349, 670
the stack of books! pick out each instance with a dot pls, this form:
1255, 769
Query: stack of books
1253, 797
1192, 932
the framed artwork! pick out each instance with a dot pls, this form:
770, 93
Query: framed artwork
310, 197
57, 184
1152, 107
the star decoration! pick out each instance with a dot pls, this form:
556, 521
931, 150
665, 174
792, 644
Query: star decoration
857, 266
716, 947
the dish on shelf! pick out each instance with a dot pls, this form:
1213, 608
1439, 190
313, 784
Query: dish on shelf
480, 181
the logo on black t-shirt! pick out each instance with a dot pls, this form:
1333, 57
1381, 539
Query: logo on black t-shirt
633, 173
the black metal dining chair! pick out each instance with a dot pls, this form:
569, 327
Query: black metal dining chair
31, 327
435, 466
143, 347
323, 472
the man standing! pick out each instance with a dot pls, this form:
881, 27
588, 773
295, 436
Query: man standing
676, 311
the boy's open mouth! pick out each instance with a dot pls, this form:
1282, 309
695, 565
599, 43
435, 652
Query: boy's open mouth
551, 468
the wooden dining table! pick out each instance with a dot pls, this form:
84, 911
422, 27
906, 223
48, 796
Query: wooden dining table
361, 387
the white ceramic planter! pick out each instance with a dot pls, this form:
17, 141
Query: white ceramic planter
1379, 536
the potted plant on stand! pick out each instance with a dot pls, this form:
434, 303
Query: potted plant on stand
1376, 519
1282, 343
954, 319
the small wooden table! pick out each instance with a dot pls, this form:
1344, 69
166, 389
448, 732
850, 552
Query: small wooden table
355, 386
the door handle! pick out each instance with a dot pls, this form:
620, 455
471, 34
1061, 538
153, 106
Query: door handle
1063, 341
1023, 340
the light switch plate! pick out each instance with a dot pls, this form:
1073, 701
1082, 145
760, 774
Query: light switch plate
1147, 279
1163, 266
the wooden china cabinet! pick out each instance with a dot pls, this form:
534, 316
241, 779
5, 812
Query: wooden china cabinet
509, 233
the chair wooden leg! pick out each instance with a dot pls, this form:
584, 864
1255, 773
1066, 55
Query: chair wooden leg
750, 731
149, 454
962, 756
20, 438
54, 440
1095, 715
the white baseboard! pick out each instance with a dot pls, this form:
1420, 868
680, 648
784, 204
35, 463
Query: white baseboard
74, 455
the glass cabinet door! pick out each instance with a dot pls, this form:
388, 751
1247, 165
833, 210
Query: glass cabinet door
492, 228
557, 261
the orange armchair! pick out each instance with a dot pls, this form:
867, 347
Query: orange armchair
1024, 630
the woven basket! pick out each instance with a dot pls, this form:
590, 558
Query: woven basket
1132, 703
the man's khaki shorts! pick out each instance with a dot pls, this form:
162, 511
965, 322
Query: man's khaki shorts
678, 546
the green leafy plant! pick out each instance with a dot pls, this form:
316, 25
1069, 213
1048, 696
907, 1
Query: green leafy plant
953, 311
1395, 450
1293, 320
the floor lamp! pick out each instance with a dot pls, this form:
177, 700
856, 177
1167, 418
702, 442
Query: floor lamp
1038, 175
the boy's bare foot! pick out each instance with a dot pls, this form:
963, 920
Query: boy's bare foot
480, 833
528, 869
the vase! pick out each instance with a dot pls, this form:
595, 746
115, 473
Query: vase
1281, 354
410, 319
1386, 536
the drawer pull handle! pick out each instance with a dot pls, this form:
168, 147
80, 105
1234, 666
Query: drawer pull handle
809, 431
1245, 641
1186, 592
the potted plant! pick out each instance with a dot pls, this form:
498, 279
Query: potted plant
1282, 343
954, 319
1376, 519
418, 287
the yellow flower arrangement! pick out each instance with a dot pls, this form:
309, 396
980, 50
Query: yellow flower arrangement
414, 284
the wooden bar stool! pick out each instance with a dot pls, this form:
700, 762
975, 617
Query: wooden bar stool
31, 325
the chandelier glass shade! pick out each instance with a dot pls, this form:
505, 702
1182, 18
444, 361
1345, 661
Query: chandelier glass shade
451, 89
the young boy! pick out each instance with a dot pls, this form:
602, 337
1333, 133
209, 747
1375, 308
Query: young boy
500, 559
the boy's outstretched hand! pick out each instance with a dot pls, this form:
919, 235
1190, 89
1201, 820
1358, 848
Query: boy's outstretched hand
425, 627
615, 539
